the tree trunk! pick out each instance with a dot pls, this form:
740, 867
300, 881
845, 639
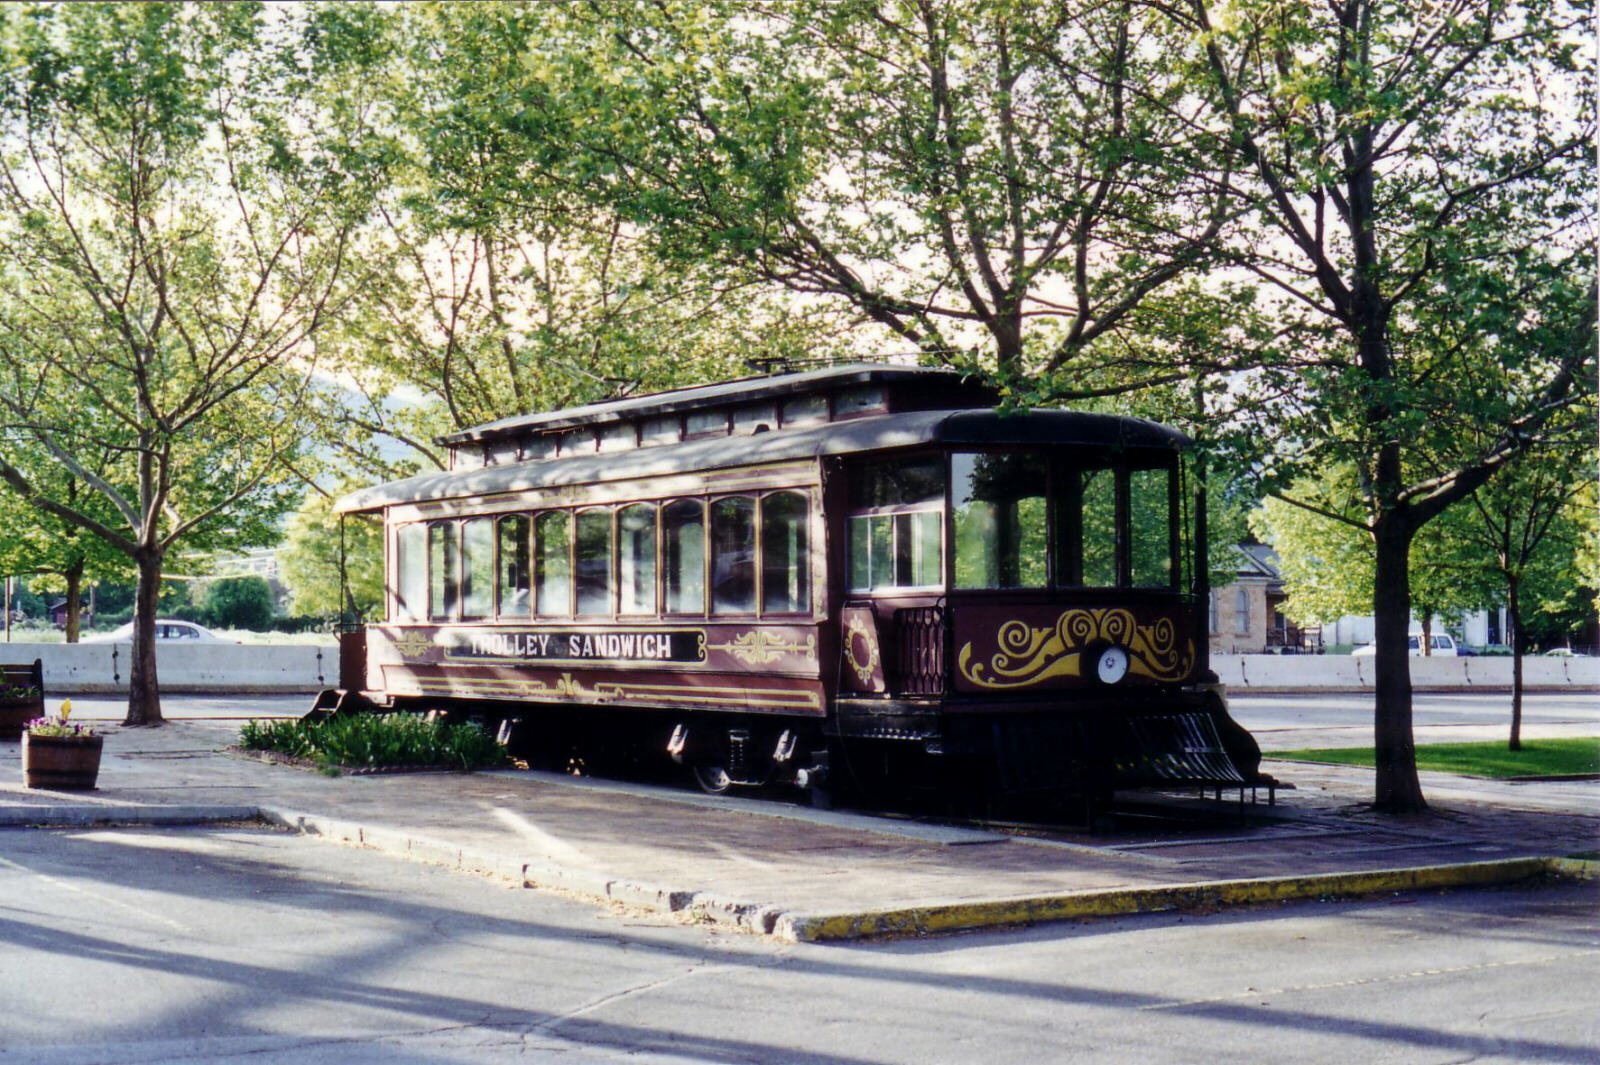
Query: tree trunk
1427, 636
144, 697
1514, 616
1398, 790
74, 576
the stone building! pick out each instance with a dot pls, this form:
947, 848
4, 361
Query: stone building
1246, 614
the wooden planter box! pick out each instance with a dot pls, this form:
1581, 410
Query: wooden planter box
61, 763
16, 712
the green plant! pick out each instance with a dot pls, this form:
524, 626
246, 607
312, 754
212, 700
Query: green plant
377, 740
1545, 757
58, 727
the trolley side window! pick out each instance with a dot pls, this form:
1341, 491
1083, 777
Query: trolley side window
785, 560
896, 528
411, 564
594, 562
552, 562
999, 522
477, 567
636, 559
733, 556
683, 551
513, 566
443, 570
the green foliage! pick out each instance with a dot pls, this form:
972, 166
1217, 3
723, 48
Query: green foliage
239, 603
495, 286
179, 185
988, 181
1327, 557
1549, 757
374, 740
310, 560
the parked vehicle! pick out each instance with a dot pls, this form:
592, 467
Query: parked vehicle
863, 568
166, 630
1443, 645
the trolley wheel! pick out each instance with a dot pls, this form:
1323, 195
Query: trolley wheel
713, 779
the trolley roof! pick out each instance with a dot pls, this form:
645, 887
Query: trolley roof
772, 386
875, 433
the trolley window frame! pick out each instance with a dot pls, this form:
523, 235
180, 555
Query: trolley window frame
1063, 567
451, 531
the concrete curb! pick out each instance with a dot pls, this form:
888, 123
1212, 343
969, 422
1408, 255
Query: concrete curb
705, 907
1575, 868
45, 816
700, 907
1112, 902
710, 908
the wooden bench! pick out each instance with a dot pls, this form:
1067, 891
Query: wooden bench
21, 696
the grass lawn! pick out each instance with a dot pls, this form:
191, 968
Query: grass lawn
1538, 758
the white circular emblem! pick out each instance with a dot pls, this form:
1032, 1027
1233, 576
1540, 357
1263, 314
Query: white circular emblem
1112, 665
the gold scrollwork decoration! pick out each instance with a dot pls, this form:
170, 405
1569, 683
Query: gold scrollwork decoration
412, 643
760, 647
864, 668
1027, 655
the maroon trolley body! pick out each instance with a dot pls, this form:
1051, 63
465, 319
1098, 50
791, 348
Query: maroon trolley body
766, 578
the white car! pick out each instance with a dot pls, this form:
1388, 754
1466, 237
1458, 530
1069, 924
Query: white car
186, 631
1443, 644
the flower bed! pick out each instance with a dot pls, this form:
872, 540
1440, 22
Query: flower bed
367, 741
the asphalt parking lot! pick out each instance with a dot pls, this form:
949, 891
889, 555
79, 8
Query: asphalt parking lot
221, 944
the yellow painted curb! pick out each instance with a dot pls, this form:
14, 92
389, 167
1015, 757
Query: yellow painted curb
1576, 868
1111, 902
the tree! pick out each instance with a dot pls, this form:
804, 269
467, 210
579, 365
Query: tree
1529, 525
175, 208
996, 183
51, 550
310, 558
1328, 560
1421, 190
497, 288
239, 603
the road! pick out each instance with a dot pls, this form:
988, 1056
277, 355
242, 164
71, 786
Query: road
1287, 722
222, 944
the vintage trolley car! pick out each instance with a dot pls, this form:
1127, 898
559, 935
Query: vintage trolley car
865, 566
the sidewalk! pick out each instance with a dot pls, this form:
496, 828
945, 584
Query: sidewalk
805, 874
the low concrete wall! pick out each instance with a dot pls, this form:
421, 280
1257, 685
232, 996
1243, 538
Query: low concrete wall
201, 667
226, 667
1354, 673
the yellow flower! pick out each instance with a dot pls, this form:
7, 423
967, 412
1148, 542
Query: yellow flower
66, 709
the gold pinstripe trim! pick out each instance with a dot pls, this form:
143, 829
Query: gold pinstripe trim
570, 688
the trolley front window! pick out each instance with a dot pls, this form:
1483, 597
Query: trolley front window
1097, 530
1001, 533
1149, 531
